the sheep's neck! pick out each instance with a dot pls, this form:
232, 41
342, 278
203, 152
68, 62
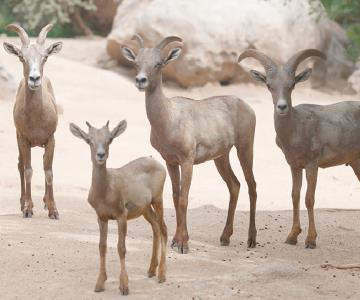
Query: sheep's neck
99, 178
34, 100
157, 104
284, 126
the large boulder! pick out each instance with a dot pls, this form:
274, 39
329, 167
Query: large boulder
216, 32
354, 79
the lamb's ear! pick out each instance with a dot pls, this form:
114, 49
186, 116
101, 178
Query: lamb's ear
258, 76
173, 54
76, 131
304, 75
54, 48
119, 129
10, 48
128, 53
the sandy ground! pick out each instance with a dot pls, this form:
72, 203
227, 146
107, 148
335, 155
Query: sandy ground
59, 260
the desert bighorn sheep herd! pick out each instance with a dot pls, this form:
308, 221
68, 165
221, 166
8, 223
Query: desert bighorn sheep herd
185, 132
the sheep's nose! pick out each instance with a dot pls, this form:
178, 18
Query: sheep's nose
282, 107
141, 80
35, 78
101, 155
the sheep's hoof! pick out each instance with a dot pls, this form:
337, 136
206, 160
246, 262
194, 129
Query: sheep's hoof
151, 273
224, 241
161, 278
291, 241
54, 215
310, 244
99, 289
251, 243
27, 214
181, 249
124, 291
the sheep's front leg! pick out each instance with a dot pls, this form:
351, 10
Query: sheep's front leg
296, 188
25, 152
122, 228
311, 178
181, 237
100, 284
21, 173
49, 193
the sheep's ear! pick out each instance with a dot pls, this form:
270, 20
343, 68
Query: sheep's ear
304, 75
173, 54
54, 48
9, 48
119, 129
128, 53
258, 76
76, 131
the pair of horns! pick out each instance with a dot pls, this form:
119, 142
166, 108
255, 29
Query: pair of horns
159, 46
291, 65
24, 37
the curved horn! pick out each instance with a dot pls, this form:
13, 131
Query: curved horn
139, 39
292, 64
43, 33
168, 40
268, 64
88, 124
21, 33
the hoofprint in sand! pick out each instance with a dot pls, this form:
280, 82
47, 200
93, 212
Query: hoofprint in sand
59, 259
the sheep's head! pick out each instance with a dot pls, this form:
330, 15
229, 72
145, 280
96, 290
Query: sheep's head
99, 140
149, 61
281, 79
32, 56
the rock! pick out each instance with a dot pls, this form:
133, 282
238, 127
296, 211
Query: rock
7, 85
103, 16
215, 34
354, 79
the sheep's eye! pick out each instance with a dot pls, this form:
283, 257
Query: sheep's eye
158, 65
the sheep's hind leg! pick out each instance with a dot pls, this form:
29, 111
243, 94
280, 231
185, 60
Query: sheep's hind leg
150, 216
311, 178
224, 168
157, 204
245, 155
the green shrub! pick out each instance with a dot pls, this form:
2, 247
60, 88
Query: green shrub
34, 14
347, 14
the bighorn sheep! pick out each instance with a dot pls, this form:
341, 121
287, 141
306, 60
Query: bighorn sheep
35, 115
188, 132
122, 194
310, 136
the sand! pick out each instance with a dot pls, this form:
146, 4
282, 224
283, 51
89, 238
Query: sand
59, 260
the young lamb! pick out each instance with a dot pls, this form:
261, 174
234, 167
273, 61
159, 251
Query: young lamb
310, 136
122, 194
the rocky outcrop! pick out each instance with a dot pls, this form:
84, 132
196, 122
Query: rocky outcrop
354, 79
216, 32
